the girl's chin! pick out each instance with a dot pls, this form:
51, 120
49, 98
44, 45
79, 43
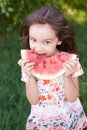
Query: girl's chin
41, 53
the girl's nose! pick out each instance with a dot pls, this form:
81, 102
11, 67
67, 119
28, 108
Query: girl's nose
38, 48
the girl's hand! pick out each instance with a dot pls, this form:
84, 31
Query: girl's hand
26, 66
70, 67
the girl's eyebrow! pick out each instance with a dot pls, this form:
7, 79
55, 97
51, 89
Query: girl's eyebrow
47, 39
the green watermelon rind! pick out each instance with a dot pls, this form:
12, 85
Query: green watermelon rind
47, 77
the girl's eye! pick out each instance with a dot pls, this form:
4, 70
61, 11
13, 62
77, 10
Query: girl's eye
32, 39
47, 42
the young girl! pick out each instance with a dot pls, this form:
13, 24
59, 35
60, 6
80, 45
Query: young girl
54, 104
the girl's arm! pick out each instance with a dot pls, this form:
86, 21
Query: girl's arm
71, 85
32, 92
71, 88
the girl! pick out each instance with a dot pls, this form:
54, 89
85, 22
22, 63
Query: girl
55, 104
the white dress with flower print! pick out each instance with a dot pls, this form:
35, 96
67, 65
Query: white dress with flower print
54, 112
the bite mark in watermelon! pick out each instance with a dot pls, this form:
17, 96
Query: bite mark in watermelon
47, 68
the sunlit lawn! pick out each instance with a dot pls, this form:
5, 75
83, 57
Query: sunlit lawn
14, 107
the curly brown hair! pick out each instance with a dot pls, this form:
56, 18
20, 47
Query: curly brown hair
58, 22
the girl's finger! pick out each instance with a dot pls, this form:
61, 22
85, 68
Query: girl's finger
68, 66
23, 62
29, 64
19, 62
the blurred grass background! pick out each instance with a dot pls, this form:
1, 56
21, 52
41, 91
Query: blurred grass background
14, 108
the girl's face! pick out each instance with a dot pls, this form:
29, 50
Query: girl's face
42, 39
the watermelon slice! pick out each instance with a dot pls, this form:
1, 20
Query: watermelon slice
47, 68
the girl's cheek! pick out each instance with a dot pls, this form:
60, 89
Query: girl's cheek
32, 47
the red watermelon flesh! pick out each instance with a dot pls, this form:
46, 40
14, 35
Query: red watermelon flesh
47, 68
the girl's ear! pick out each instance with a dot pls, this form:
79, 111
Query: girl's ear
59, 43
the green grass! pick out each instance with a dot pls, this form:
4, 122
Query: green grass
81, 33
14, 108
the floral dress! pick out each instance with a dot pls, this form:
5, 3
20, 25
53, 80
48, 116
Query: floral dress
54, 111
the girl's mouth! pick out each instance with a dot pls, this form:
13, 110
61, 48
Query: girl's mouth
39, 53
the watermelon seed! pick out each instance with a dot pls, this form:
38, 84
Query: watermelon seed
44, 62
54, 62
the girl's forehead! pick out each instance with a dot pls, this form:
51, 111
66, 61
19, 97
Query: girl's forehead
41, 29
